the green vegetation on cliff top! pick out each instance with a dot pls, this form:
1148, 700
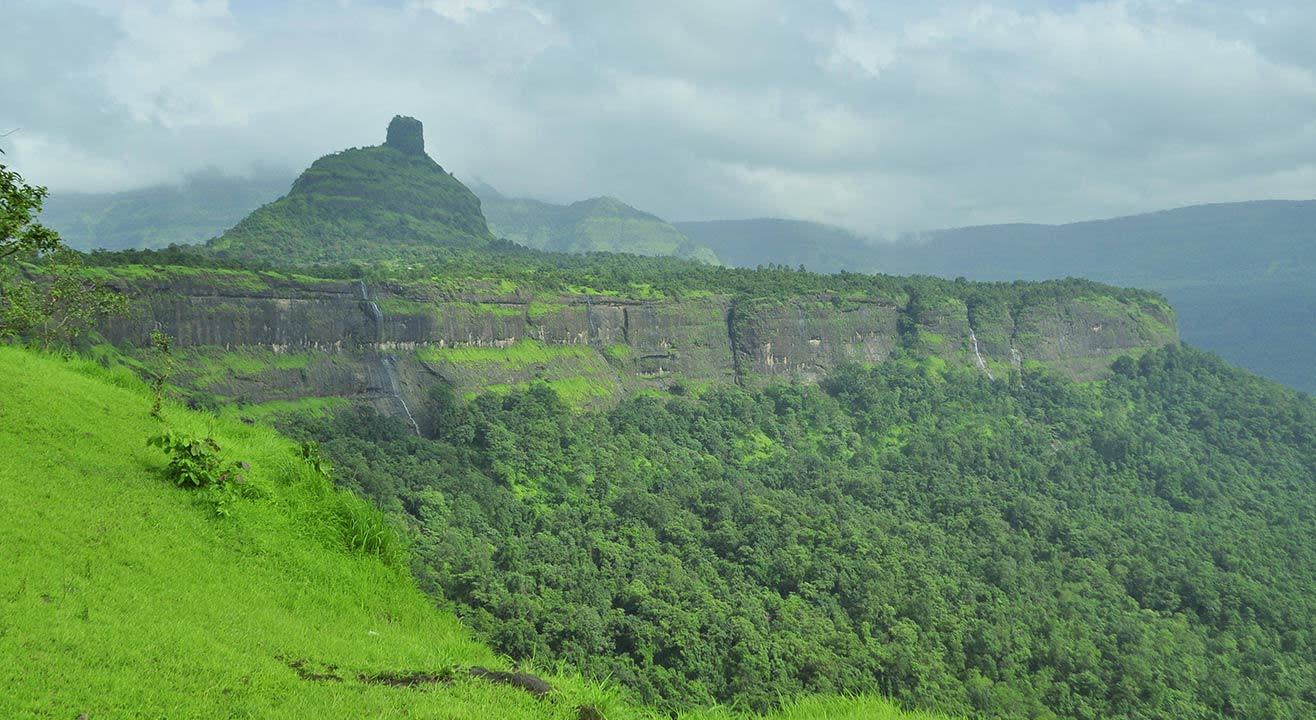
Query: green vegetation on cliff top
504, 268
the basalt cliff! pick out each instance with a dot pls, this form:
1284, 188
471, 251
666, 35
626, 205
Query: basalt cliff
258, 337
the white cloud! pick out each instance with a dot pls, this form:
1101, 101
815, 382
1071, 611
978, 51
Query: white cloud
462, 11
875, 115
459, 10
45, 157
162, 48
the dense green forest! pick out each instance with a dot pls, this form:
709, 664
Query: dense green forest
1135, 548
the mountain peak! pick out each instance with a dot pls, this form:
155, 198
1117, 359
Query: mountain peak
407, 134
383, 201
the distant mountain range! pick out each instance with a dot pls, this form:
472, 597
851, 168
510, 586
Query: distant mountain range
193, 211
598, 224
1241, 275
204, 206
748, 243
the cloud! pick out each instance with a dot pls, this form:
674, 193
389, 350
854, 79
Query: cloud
459, 10
879, 116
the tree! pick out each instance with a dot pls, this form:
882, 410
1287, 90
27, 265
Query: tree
19, 230
62, 302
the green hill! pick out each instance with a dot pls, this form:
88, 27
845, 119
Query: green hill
193, 211
748, 243
598, 224
124, 596
382, 202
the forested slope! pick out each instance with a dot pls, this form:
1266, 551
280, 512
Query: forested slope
366, 203
1134, 548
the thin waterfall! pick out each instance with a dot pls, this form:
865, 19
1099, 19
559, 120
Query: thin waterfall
982, 364
391, 372
388, 364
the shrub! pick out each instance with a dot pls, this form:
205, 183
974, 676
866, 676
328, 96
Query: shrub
312, 455
196, 463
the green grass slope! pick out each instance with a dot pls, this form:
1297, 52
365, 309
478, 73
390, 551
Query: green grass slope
599, 224
123, 596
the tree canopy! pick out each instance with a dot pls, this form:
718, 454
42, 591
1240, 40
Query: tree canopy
1137, 548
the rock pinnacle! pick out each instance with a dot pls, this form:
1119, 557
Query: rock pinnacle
406, 134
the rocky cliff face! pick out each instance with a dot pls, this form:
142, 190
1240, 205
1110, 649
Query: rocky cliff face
313, 338
407, 134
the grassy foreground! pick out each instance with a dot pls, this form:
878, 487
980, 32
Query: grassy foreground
123, 596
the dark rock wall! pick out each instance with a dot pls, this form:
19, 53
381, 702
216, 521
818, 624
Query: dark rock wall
713, 339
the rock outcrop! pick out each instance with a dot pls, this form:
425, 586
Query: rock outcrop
406, 134
595, 346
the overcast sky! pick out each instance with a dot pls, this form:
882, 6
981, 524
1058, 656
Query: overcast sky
879, 116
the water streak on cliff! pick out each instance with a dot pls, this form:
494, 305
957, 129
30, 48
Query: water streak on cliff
982, 364
388, 364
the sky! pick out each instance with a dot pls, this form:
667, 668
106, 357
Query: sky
882, 117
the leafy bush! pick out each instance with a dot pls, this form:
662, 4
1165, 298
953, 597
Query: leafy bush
196, 463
